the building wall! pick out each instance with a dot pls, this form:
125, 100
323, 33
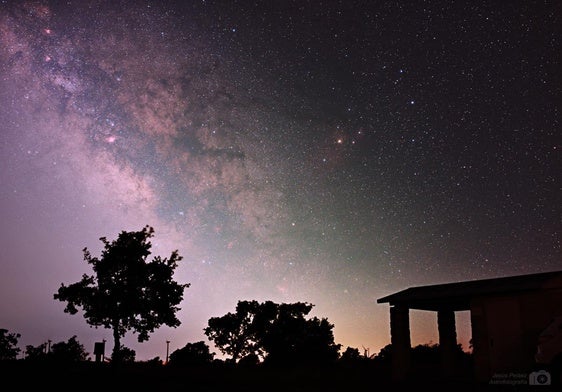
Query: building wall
480, 346
505, 330
503, 321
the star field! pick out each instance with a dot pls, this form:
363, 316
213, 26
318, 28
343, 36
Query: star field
328, 152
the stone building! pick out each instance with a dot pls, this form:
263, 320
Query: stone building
507, 316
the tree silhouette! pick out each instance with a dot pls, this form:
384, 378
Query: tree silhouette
428, 354
36, 353
290, 338
126, 354
71, 351
9, 349
279, 333
351, 354
126, 292
234, 333
384, 355
192, 354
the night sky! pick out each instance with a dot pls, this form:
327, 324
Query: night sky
330, 152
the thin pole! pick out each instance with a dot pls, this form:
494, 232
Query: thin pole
167, 350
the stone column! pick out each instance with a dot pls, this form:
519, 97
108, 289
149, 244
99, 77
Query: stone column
480, 342
400, 340
447, 341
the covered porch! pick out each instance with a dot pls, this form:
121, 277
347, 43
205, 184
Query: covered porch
506, 314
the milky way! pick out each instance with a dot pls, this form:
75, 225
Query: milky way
295, 152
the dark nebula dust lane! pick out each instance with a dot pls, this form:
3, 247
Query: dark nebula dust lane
293, 151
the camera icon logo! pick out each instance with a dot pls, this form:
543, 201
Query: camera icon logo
540, 377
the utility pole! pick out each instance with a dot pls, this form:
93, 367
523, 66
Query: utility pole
167, 350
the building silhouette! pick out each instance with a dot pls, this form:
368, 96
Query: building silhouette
507, 314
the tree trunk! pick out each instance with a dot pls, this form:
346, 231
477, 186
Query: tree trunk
116, 356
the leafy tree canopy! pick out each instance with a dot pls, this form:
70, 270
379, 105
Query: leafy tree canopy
70, 351
9, 349
127, 291
197, 353
278, 333
36, 353
351, 354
